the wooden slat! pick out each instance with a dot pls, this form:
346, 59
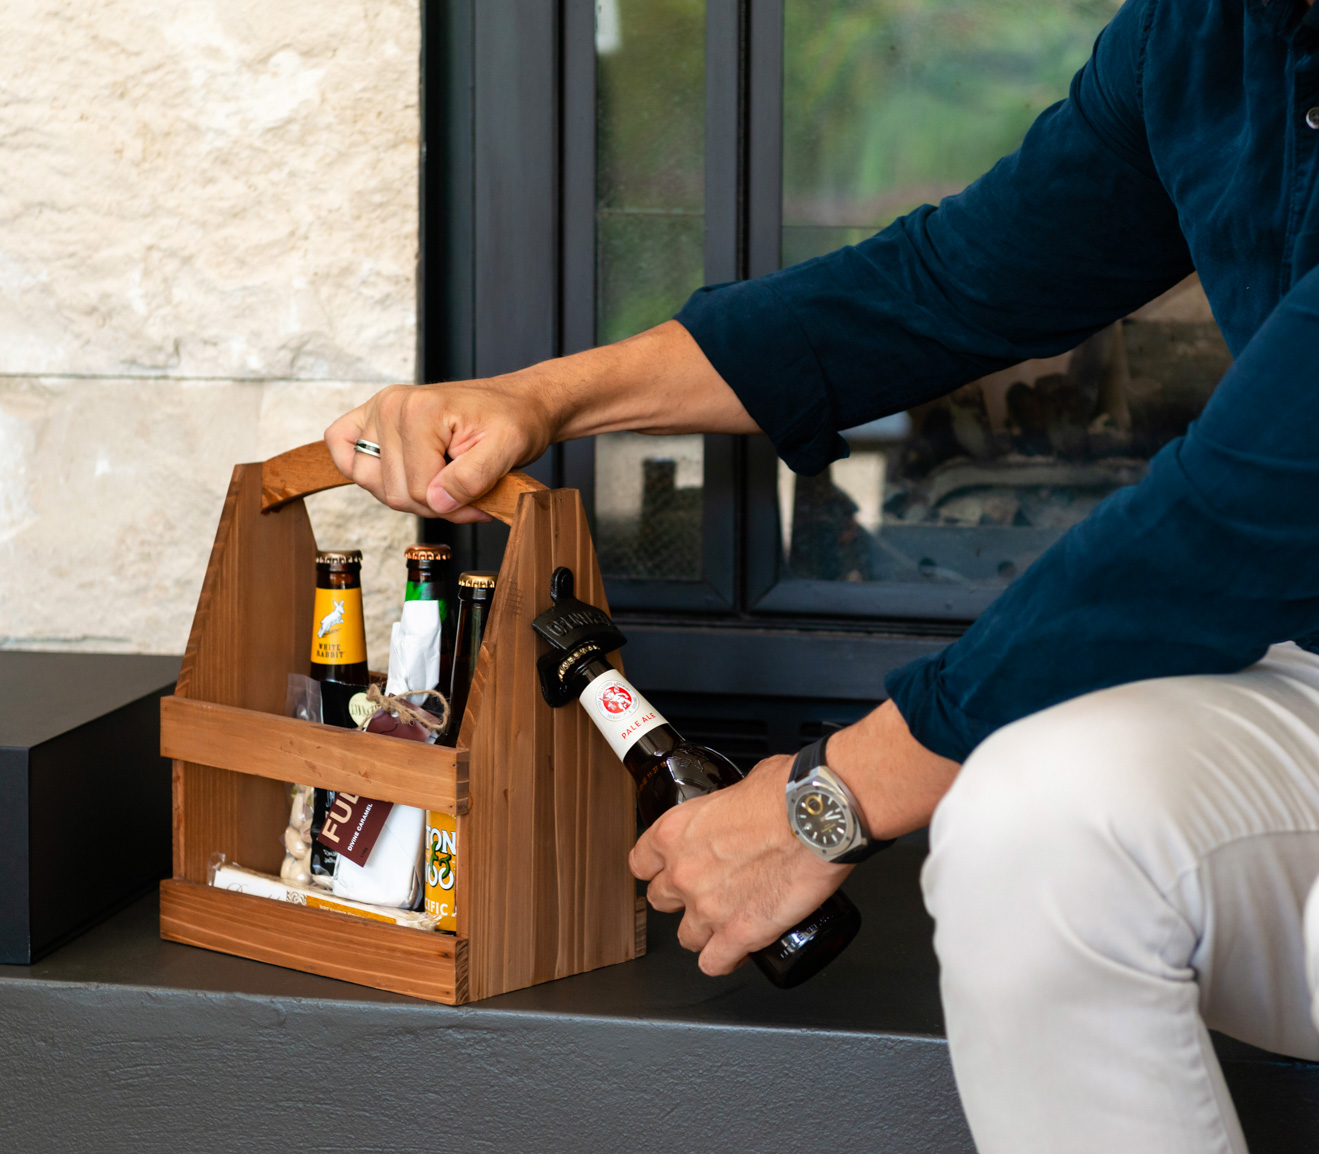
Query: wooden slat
544, 888
641, 926
310, 469
407, 961
286, 749
251, 629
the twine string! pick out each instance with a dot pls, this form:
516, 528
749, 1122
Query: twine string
405, 711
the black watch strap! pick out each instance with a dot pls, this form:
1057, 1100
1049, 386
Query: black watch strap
865, 850
808, 760
806, 763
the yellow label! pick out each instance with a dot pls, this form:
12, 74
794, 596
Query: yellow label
338, 636
442, 868
322, 904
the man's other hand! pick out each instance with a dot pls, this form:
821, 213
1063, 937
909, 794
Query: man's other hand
732, 864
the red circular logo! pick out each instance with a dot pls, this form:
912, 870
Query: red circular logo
616, 700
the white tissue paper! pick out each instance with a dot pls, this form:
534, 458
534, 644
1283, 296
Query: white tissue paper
392, 874
414, 650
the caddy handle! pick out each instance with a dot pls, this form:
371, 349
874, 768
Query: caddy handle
310, 469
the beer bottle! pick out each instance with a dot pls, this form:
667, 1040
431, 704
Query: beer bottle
338, 662
338, 633
428, 580
475, 591
668, 770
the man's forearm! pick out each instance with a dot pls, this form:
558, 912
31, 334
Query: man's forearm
896, 779
658, 381
443, 445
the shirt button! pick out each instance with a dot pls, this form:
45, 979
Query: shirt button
1312, 118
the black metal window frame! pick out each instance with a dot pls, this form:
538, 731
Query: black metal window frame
508, 276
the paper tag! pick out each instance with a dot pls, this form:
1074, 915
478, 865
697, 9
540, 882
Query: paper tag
619, 711
360, 709
353, 825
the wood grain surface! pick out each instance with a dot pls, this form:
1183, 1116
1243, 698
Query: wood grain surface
369, 764
251, 629
310, 469
546, 814
544, 888
407, 961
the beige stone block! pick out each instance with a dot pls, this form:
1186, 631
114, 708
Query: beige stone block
110, 491
209, 188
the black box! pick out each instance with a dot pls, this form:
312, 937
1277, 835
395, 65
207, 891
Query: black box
85, 812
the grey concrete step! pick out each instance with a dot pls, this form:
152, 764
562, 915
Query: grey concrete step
120, 1041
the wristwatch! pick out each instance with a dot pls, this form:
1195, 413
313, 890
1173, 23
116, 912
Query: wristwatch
823, 813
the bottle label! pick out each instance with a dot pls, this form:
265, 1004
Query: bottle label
427, 591
619, 711
353, 825
442, 868
338, 636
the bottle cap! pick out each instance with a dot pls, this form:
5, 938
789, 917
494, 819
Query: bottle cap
477, 579
339, 557
427, 552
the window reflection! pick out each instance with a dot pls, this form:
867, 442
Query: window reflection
971, 488
648, 494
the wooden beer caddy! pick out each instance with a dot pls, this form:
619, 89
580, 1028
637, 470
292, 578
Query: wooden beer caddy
546, 814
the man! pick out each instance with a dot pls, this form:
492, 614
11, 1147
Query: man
1124, 856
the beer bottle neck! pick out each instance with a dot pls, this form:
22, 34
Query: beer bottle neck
423, 590
425, 583
338, 641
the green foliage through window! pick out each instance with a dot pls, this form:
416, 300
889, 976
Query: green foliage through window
890, 104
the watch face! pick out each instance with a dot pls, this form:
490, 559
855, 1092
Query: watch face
820, 818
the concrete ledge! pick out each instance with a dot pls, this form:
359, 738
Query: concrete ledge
123, 1042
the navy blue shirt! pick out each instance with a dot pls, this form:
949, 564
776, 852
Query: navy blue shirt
1183, 145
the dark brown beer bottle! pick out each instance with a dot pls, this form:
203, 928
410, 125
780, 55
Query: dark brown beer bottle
441, 862
476, 590
667, 769
338, 662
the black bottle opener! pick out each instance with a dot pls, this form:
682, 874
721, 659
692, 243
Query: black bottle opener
573, 628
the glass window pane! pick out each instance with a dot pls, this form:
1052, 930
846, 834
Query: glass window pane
648, 505
649, 244
891, 104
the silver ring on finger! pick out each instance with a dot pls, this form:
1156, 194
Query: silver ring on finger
370, 448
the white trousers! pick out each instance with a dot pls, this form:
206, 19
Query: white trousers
1110, 877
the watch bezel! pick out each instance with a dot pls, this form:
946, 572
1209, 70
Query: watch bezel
823, 780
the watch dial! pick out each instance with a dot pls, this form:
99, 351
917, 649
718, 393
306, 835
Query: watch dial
821, 820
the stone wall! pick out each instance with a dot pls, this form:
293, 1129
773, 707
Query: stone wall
208, 244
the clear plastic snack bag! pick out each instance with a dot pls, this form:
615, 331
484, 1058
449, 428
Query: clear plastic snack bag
303, 701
